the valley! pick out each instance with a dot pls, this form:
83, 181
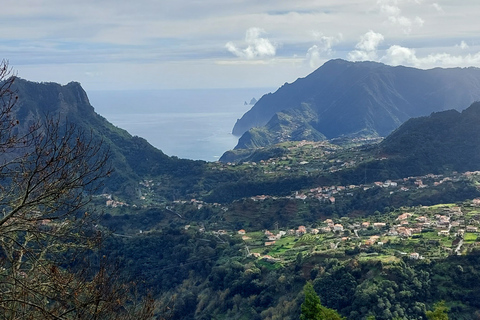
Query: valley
381, 227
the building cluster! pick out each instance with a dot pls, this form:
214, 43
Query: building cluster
448, 221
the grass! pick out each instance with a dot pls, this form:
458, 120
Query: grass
269, 266
443, 205
387, 259
470, 237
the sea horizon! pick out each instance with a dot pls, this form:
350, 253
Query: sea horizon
187, 123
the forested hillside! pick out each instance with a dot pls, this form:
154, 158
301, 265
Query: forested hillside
380, 229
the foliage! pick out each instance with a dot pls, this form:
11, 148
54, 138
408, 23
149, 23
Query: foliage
440, 312
312, 309
48, 172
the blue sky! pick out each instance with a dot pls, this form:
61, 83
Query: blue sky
165, 44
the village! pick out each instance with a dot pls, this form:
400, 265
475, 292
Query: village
417, 233
423, 233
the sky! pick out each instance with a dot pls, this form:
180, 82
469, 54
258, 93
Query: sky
172, 44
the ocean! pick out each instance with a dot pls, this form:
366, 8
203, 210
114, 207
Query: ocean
191, 124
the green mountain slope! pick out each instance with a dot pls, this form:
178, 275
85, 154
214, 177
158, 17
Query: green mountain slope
133, 158
447, 140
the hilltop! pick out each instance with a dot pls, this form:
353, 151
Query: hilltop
355, 99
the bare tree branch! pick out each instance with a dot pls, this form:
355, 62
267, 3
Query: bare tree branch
48, 173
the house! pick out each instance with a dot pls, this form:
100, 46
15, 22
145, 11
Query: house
442, 220
416, 230
404, 216
365, 224
456, 210
414, 255
44, 222
404, 232
314, 231
337, 227
421, 219
379, 225
270, 259
444, 233
269, 243
472, 229
392, 232
241, 231
389, 183
372, 240
325, 229
300, 231
300, 196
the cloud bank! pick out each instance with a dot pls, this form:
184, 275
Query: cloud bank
256, 46
391, 9
398, 55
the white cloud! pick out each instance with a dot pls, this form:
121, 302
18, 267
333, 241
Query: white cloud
391, 9
257, 47
463, 45
366, 48
398, 55
437, 7
317, 54
419, 21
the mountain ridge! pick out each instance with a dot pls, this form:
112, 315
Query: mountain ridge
365, 98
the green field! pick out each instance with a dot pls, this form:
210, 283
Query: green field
470, 237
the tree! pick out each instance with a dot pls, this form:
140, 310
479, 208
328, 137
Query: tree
312, 308
439, 312
49, 169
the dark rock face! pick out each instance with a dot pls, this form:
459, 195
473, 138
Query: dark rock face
362, 98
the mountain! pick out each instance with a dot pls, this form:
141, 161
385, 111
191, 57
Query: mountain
343, 98
132, 158
443, 141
